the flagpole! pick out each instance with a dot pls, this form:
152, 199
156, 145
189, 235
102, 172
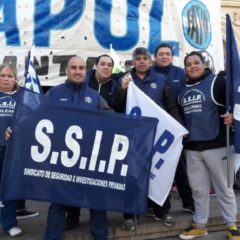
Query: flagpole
228, 158
232, 90
229, 75
135, 224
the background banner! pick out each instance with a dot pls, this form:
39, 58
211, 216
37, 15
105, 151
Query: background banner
62, 28
94, 159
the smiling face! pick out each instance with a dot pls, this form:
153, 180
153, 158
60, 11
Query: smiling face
194, 67
104, 68
163, 57
76, 70
7, 79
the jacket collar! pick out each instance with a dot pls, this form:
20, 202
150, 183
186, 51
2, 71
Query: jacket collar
163, 70
75, 86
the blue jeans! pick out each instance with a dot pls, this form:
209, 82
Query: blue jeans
8, 212
56, 217
8, 215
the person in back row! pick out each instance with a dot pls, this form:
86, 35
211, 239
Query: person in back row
156, 87
175, 77
101, 78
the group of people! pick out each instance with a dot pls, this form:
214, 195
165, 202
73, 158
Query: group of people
192, 96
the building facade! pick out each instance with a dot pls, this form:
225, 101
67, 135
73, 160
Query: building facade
233, 9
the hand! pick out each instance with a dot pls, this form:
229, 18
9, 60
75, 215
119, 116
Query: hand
125, 81
228, 119
8, 133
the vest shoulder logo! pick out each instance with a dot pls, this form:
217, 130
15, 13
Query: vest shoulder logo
153, 85
88, 99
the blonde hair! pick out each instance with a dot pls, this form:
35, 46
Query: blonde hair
13, 70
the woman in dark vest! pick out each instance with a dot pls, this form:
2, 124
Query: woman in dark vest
8, 96
202, 102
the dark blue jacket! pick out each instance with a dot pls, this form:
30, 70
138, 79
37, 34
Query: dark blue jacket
105, 89
152, 85
175, 77
155, 86
78, 94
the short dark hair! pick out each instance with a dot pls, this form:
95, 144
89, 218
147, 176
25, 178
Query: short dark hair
162, 45
140, 51
194, 53
103, 55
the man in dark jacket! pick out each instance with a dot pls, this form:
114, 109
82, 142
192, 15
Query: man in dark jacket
101, 78
103, 81
76, 92
176, 77
156, 87
164, 64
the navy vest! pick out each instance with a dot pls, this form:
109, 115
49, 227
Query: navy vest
201, 116
7, 107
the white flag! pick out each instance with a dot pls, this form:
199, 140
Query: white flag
167, 144
118, 65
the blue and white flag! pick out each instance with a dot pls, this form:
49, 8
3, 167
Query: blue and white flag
31, 79
78, 157
233, 81
167, 145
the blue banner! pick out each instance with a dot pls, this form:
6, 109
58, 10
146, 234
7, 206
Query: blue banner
87, 158
233, 80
